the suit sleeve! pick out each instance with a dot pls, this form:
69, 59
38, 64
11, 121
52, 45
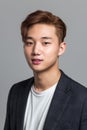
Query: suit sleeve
84, 116
7, 125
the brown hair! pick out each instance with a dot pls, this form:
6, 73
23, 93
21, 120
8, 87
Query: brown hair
44, 17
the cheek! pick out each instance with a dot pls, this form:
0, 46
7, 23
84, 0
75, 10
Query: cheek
51, 57
27, 53
53, 52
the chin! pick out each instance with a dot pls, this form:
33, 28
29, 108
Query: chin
38, 70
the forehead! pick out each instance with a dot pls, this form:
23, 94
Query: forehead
41, 29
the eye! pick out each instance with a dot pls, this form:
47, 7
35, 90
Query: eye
46, 43
28, 43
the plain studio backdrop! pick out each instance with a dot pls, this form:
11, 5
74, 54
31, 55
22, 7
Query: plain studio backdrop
13, 66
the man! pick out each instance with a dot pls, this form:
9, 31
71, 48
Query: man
50, 100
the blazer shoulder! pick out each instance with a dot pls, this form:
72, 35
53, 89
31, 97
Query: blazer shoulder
77, 88
24, 82
21, 86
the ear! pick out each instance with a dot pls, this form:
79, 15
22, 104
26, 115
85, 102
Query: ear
62, 48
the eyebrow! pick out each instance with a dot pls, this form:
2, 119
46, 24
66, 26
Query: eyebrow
31, 38
46, 38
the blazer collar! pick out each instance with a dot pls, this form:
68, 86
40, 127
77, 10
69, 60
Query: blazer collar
22, 101
59, 102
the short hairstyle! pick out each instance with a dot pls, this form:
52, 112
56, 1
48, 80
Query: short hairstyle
44, 17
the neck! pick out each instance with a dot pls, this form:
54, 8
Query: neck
44, 80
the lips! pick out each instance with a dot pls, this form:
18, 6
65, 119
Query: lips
36, 61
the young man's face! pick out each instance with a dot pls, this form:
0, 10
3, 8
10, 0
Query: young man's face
42, 48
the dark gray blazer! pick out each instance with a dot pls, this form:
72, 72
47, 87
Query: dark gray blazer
68, 109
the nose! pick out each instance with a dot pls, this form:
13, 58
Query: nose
36, 49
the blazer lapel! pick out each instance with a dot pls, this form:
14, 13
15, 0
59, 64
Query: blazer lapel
22, 100
58, 104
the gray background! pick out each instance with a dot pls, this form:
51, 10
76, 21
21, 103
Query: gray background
13, 66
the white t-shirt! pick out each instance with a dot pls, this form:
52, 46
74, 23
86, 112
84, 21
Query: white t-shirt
37, 107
